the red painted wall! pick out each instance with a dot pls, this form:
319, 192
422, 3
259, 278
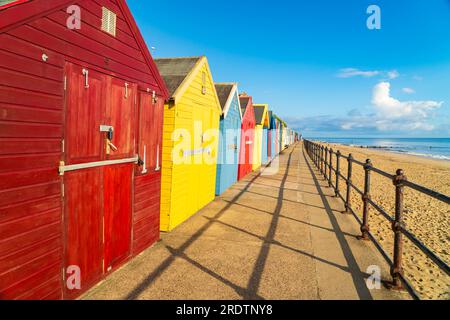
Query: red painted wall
32, 126
247, 141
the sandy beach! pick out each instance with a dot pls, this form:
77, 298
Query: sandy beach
425, 217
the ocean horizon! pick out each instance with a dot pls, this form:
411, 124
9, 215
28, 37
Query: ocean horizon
437, 148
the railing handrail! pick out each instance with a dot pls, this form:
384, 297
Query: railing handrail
412, 185
322, 156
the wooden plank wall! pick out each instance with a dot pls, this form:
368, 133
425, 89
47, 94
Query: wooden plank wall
31, 133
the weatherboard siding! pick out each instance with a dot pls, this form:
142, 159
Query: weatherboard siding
228, 160
257, 147
264, 147
31, 134
189, 187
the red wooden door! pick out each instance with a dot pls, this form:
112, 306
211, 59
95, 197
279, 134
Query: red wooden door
82, 189
120, 114
84, 114
151, 114
117, 214
97, 197
117, 190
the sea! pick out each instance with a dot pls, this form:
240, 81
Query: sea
438, 148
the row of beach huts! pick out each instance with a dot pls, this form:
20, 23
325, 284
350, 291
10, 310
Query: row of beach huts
102, 146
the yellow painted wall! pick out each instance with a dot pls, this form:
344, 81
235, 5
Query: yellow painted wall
257, 147
188, 187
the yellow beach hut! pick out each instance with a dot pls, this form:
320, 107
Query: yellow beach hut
190, 139
262, 121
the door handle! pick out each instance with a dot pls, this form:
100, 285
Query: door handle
112, 146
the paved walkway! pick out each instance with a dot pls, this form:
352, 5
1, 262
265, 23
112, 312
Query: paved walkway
279, 236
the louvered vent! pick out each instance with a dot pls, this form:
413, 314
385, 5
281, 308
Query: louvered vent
109, 21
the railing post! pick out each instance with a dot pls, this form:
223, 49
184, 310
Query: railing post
315, 154
338, 171
325, 164
349, 183
312, 153
330, 184
321, 159
318, 156
366, 196
397, 269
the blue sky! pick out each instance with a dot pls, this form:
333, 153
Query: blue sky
316, 63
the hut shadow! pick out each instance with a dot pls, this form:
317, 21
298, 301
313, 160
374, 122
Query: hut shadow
255, 278
353, 268
180, 252
295, 220
250, 292
269, 242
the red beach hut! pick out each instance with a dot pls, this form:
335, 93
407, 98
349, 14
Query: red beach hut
81, 109
247, 136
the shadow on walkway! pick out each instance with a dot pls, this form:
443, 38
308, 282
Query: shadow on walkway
260, 249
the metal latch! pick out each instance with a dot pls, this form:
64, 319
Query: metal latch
104, 128
109, 137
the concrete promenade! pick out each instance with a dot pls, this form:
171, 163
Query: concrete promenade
279, 236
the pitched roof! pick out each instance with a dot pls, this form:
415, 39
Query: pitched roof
259, 113
175, 70
223, 92
22, 11
244, 103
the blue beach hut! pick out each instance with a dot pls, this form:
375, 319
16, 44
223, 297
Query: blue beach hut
272, 137
229, 136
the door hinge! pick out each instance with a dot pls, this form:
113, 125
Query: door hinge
63, 274
62, 190
62, 146
65, 83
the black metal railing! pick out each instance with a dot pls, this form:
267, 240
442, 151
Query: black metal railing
322, 156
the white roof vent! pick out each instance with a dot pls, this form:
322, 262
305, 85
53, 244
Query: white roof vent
109, 19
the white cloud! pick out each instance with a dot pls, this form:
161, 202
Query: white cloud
418, 78
353, 72
388, 107
408, 90
393, 74
386, 114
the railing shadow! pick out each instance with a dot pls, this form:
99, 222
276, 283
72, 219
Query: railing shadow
354, 270
255, 278
180, 253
